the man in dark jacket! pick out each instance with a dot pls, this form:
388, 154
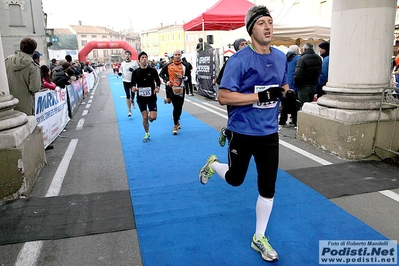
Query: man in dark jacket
307, 72
324, 48
60, 75
188, 83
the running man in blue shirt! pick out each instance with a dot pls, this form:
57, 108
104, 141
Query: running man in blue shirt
253, 81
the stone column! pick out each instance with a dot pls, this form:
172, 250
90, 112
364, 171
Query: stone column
343, 121
21, 144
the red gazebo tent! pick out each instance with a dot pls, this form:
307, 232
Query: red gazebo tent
224, 15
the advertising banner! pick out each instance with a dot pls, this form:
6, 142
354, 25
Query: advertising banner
51, 113
206, 70
75, 96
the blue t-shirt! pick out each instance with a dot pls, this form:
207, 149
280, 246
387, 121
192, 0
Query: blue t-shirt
245, 72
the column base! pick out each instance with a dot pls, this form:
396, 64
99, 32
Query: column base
348, 134
21, 166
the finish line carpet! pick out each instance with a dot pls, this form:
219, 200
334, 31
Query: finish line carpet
181, 222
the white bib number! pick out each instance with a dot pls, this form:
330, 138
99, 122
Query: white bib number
264, 105
145, 91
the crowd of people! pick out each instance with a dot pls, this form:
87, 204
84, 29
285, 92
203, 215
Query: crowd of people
26, 75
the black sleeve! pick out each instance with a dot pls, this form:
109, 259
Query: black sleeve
164, 73
156, 77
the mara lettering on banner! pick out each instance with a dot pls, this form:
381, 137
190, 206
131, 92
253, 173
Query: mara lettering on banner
51, 113
207, 63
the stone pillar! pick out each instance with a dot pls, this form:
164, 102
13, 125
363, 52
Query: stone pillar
343, 121
21, 144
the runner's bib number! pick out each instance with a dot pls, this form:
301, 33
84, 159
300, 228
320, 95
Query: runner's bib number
145, 91
177, 91
264, 105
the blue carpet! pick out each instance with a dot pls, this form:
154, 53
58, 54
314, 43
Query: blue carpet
181, 222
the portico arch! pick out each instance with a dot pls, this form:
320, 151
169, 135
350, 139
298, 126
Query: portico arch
106, 45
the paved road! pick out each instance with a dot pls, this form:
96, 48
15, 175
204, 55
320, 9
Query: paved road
97, 165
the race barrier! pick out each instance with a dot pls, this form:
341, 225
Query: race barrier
51, 112
54, 108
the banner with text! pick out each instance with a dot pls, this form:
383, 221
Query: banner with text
51, 113
207, 63
75, 95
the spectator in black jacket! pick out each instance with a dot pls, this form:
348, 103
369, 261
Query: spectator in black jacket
61, 76
68, 58
188, 83
307, 72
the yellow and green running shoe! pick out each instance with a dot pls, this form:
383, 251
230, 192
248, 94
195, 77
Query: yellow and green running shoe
207, 171
146, 137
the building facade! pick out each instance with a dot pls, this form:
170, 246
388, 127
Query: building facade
22, 19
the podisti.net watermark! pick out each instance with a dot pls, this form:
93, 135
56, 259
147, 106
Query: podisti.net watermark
358, 252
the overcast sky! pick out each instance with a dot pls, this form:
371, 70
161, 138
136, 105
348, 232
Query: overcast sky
123, 14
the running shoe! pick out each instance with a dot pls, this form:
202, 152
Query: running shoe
264, 248
146, 137
129, 113
134, 105
175, 129
222, 137
178, 125
207, 171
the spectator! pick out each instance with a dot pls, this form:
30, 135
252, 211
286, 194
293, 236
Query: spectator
68, 58
396, 61
238, 44
307, 72
201, 45
46, 79
36, 58
292, 58
78, 67
188, 83
323, 78
60, 75
87, 68
57, 68
53, 64
290, 104
24, 76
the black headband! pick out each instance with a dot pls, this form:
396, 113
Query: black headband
254, 18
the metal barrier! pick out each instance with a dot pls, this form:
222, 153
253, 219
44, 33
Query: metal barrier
389, 100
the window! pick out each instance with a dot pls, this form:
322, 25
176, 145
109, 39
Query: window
84, 42
104, 37
95, 53
94, 36
83, 36
16, 15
